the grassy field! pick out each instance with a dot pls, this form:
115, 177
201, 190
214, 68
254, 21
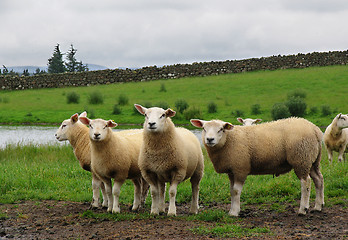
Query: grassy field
230, 92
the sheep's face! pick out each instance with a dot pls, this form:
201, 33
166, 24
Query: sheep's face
248, 121
214, 131
63, 132
155, 118
99, 129
342, 121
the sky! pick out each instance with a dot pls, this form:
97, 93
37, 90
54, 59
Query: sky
138, 33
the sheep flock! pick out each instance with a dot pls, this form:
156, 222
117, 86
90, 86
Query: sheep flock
161, 153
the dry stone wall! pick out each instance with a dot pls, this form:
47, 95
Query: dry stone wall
173, 71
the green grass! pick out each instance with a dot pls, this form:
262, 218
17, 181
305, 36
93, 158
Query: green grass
230, 92
52, 173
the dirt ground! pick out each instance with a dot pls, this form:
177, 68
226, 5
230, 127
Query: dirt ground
64, 220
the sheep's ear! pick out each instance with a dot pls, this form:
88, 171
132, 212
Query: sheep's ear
111, 124
228, 126
84, 120
197, 123
84, 114
74, 118
140, 108
170, 112
258, 120
240, 120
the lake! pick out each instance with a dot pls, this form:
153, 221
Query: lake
38, 135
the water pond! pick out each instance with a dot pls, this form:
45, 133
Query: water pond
37, 135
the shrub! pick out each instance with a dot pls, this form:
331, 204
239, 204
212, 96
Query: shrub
163, 88
280, 110
256, 109
116, 110
212, 107
163, 105
297, 93
122, 100
325, 110
181, 105
73, 97
297, 106
238, 113
192, 112
95, 98
313, 110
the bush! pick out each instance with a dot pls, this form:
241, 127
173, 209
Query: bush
314, 110
297, 106
122, 100
116, 110
280, 110
163, 88
297, 93
73, 97
192, 112
325, 110
181, 105
163, 105
238, 113
212, 107
95, 98
256, 109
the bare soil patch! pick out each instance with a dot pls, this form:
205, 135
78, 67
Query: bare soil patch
64, 220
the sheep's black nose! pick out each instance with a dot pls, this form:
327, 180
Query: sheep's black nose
210, 140
96, 135
151, 124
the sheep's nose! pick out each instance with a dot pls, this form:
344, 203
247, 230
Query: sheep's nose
96, 135
151, 124
210, 140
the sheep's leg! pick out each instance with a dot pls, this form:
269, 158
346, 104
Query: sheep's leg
108, 192
161, 197
329, 154
195, 180
154, 196
172, 196
116, 192
236, 190
105, 198
144, 190
96, 183
341, 156
319, 188
305, 192
137, 194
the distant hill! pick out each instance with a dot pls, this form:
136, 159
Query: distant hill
32, 69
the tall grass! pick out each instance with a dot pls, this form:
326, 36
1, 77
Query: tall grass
52, 172
323, 86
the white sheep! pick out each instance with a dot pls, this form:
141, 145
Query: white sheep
269, 148
78, 136
169, 154
336, 137
248, 121
114, 155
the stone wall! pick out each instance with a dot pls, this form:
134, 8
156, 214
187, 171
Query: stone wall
173, 71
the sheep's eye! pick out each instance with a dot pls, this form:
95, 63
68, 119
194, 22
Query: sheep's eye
221, 130
63, 126
105, 126
204, 130
163, 115
90, 126
145, 115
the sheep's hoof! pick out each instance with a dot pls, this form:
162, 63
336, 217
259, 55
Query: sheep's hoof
303, 212
171, 214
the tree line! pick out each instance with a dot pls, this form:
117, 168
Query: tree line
56, 64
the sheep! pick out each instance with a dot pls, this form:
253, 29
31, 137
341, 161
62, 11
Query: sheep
269, 148
248, 121
78, 136
115, 155
336, 137
169, 154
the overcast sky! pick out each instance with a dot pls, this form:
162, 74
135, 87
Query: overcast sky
137, 33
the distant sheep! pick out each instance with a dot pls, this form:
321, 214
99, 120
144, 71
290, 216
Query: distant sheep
336, 137
269, 148
78, 136
169, 154
248, 121
115, 155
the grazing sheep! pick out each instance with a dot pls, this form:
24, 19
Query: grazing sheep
269, 148
78, 136
169, 154
336, 137
115, 155
248, 121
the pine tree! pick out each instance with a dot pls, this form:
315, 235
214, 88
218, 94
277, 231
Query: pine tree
56, 63
72, 65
